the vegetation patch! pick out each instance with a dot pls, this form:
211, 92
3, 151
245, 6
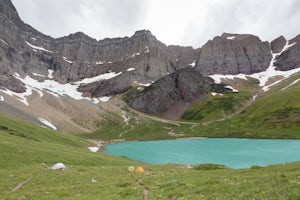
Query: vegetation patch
209, 167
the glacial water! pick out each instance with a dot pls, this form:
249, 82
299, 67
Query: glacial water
233, 153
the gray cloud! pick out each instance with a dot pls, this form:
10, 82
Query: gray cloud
180, 22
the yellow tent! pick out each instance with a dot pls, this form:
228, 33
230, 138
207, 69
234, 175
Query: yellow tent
139, 170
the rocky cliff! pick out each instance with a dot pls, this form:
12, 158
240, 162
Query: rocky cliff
290, 59
234, 54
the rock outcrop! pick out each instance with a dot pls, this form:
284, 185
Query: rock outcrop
290, 58
278, 44
234, 54
184, 85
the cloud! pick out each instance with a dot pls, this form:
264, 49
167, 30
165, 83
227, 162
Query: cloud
179, 22
99, 19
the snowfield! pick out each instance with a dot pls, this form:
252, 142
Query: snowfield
57, 89
48, 124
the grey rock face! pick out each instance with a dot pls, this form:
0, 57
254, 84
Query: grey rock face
234, 54
78, 56
278, 44
290, 58
183, 85
11, 83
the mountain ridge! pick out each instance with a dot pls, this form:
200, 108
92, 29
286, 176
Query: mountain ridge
83, 68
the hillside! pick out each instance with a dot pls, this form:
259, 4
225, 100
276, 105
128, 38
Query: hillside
27, 151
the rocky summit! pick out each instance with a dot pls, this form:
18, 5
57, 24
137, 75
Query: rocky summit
113, 66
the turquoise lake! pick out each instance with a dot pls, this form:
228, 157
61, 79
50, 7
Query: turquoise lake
233, 153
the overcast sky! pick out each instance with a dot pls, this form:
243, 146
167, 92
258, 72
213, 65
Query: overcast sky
182, 22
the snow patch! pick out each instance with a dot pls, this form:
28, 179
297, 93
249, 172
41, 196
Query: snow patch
147, 49
293, 83
135, 54
145, 85
48, 124
1, 98
254, 97
130, 69
40, 75
37, 47
100, 77
4, 42
268, 87
104, 99
233, 90
93, 149
218, 77
231, 38
50, 73
100, 63
193, 64
68, 61
216, 94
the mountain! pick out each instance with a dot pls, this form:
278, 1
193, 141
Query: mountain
71, 80
77, 56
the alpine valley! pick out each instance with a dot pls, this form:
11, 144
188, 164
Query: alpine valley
138, 88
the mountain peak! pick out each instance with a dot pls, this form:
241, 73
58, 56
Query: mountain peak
8, 10
143, 33
236, 36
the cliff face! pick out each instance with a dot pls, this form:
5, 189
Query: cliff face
290, 59
234, 54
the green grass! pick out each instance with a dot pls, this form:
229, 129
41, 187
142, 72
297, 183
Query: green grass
27, 150
216, 107
162, 182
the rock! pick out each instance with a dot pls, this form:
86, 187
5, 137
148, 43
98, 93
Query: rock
234, 54
290, 58
11, 83
184, 85
278, 44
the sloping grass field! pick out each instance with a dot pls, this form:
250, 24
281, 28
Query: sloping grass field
26, 152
